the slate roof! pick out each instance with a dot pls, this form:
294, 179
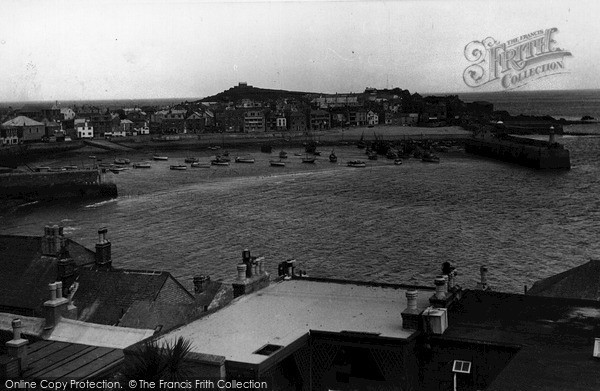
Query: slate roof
581, 282
62, 360
555, 337
26, 273
21, 121
105, 296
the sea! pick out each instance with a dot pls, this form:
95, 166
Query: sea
383, 223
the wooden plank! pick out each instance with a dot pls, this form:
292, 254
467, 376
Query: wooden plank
34, 347
82, 360
94, 367
49, 363
45, 351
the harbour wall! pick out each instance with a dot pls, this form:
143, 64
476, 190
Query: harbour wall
36, 186
526, 152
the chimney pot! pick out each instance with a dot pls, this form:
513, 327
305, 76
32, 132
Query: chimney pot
440, 290
411, 299
16, 325
59, 289
241, 271
52, 289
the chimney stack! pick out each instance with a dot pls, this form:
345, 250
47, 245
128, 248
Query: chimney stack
53, 240
56, 307
103, 249
483, 285
411, 315
17, 347
251, 275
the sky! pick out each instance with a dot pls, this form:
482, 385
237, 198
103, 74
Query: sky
148, 49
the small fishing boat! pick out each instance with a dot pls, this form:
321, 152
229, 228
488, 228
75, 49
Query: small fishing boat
191, 160
141, 165
316, 153
69, 168
277, 163
223, 158
214, 147
309, 159
398, 161
122, 161
332, 157
244, 159
179, 167
200, 165
92, 157
357, 163
298, 154
283, 155
155, 157
116, 170
429, 157
218, 163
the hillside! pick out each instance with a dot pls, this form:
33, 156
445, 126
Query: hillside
243, 91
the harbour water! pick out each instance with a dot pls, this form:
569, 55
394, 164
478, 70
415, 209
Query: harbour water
382, 223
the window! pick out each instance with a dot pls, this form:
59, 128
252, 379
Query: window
268, 349
461, 366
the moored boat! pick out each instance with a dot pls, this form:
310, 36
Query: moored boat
155, 157
244, 159
141, 165
332, 157
191, 160
357, 163
398, 161
277, 163
309, 159
200, 165
116, 170
179, 167
283, 155
122, 161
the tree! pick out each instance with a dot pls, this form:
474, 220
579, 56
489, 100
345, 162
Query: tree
154, 362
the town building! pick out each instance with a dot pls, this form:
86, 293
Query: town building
174, 121
372, 118
103, 294
230, 120
297, 121
195, 123
67, 113
10, 136
27, 129
254, 121
320, 120
83, 128
581, 282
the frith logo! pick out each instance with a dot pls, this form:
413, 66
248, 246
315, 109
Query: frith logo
516, 62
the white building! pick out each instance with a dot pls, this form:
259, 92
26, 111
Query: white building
83, 128
372, 118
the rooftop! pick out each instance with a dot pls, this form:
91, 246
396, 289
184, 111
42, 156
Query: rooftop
285, 312
60, 360
114, 337
555, 335
581, 282
21, 121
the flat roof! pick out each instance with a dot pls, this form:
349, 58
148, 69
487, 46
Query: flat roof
285, 311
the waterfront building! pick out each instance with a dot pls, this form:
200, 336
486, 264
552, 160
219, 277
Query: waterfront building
335, 100
230, 120
320, 120
280, 122
83, 128
27, 129
126, 126
372, 118
254, 121
195, 123
297, 121
174, 121
10, 136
